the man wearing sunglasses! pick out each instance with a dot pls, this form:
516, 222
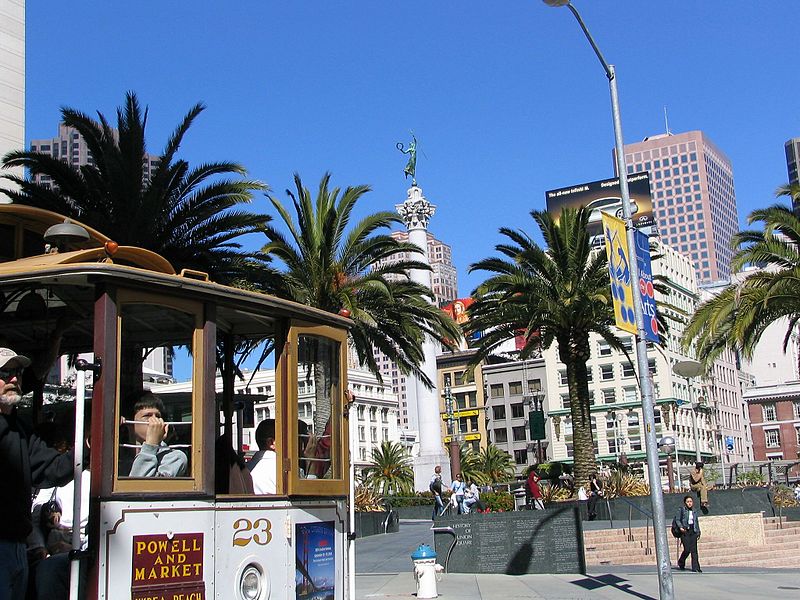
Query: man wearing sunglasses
26, 462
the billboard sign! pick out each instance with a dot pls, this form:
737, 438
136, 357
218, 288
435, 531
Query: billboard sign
605, 196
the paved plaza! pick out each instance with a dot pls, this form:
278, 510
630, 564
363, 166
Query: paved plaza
383, 568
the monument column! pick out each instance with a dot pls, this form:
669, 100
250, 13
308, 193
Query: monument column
416, 212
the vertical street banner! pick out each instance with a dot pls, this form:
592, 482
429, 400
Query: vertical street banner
619, 270
646, 287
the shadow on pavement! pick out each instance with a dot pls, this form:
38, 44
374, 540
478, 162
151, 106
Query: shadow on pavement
614, 581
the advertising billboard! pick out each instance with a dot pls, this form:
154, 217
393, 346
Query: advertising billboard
605, 196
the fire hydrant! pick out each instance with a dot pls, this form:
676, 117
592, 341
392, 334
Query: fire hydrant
425, 571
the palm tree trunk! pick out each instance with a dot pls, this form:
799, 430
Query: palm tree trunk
575, 358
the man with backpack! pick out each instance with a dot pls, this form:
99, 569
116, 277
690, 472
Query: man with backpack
436, 487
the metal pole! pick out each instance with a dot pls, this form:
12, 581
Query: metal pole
77, 489
696, 435
670, 474
351, 512
665, 583
455, 448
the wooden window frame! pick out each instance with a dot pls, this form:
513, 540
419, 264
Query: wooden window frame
287, 414
196, 477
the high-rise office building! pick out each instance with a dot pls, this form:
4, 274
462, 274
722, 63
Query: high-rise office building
444, 279
12, 81
71, 148
694, 202
444, 283
792, 148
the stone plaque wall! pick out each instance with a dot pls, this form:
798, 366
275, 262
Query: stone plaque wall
514, 543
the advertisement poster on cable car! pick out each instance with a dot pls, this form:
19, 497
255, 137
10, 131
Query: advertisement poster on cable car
316, 561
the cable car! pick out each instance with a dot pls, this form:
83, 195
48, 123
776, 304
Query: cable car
188, 532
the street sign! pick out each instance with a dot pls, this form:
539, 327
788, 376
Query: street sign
536, 424
463, 413
729, 443
469, 437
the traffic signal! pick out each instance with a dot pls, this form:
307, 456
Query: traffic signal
536, 424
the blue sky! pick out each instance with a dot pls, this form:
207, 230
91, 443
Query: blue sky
506, 98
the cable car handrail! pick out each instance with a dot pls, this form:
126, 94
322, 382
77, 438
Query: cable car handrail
140, 446
132, 422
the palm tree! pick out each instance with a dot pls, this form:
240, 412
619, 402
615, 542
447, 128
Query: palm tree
390, 472
558, 294
498, 465
470, 465
333, 266
185, 214
188, 215
737, 317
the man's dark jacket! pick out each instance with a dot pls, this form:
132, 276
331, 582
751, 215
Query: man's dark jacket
682, 519
25, 462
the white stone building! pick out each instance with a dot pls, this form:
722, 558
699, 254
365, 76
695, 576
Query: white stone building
12, 81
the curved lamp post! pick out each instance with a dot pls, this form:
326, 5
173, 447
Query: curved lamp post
667, 445
691, 369
665, 584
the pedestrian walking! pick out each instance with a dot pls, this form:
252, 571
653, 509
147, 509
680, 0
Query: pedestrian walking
688, 521
436, 487
459, 490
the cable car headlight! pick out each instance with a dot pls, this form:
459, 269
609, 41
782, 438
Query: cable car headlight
250, 583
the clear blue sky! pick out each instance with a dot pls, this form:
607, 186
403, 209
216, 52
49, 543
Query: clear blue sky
506, 98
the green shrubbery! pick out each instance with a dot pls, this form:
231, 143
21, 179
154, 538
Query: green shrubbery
498, 501
495, 501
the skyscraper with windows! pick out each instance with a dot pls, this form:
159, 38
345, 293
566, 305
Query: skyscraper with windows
444, 283
694, 202
792, 148
71, 148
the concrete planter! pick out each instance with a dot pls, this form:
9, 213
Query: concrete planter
374, 523
721, 502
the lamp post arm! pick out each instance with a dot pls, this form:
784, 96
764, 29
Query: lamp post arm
609, 71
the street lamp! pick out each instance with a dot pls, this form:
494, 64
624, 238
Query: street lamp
452, 426
665, 584
536, 420
690, 369
667, 445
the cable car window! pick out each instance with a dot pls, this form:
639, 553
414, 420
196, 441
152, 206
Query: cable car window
319, 373
156, 347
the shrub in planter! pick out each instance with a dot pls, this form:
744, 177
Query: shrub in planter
418, 499
750, 478
498, 501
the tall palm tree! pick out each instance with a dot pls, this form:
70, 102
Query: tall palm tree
738, 316
332, 265
188, 215
557, 294
470, 465
497, 464
390, 471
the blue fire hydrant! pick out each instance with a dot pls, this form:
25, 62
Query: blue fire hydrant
425, 571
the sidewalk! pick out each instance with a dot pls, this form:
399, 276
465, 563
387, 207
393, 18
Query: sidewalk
383, 567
